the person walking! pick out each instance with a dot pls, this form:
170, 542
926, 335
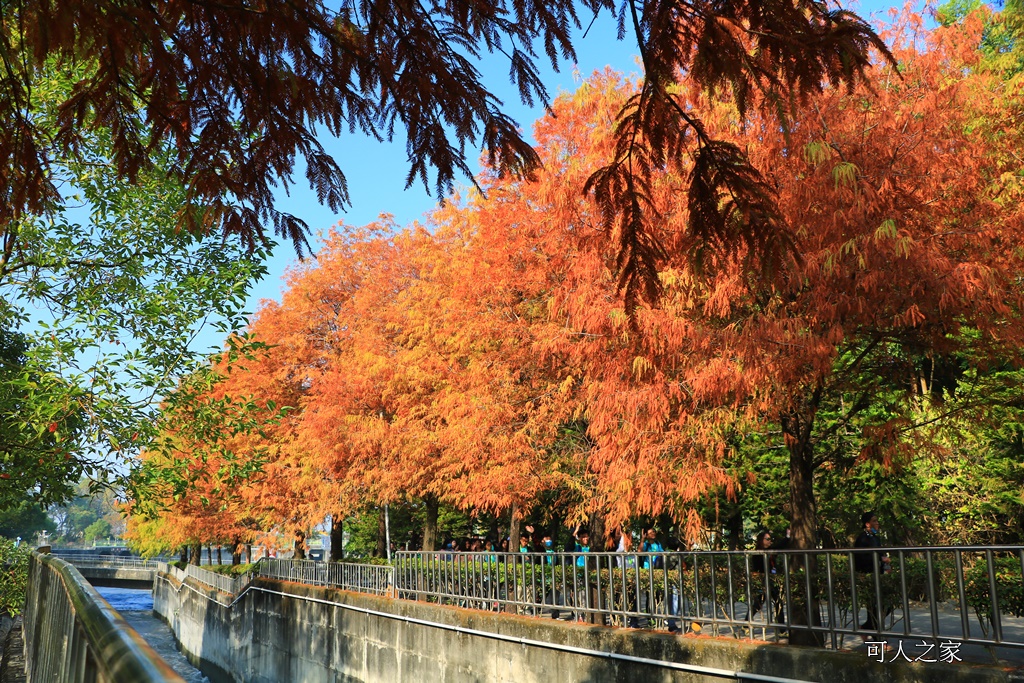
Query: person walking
582, 545
764, 579
869, 562
651, 545
524, 544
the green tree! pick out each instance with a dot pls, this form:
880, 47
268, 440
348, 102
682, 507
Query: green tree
1001, 46
25, 521
108, 298
99, 529
32, 457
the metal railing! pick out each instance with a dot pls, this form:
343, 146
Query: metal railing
221, 582
361, 578
93, 561
179, 574
226, 584
967, 595
73, 635
963, 594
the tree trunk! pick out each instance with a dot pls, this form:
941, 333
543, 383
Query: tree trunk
797, 430
248, 553
337, 538
381, 550
734, 529
514, 530
430, 525
492, 530
299, 545
556, 530
597, 533
220, 554
598, 544
196, 553
184, 554
236, 551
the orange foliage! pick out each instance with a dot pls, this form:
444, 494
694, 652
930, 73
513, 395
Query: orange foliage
444, 362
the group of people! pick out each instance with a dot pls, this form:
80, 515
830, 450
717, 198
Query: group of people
765, 569
531, 541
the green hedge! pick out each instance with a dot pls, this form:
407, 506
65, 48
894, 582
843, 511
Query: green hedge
13, 577
231, 569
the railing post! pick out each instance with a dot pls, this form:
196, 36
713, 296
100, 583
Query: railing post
997, 625
964, 620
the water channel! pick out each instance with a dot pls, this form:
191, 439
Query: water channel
136, 606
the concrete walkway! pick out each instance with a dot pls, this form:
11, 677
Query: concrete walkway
911, 647
12, 656
950, 626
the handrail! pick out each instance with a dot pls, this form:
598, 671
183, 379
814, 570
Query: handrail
226, 584
73, 635
362, 578
828, 594
99, 561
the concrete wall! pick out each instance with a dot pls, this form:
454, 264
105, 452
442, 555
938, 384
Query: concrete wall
118, 577
298, 637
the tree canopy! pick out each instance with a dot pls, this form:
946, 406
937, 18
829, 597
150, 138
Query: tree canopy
101, 305
237, 92
489, 363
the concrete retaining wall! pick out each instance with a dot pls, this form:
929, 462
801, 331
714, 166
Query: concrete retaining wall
279, 631
118, 577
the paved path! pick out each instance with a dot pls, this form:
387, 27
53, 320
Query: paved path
944, 648
950, 625
12, 656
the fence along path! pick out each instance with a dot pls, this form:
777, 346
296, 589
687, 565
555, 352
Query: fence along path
72, 634
895, 593
964, 595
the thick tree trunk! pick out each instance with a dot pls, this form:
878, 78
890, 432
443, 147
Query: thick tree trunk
184, 554
556, 530
300, 544
382, 535
797, 431
803, 509
196, 551
598, 543
598, 540
514, 530
236, 551
337, 538
734, 529
430, 525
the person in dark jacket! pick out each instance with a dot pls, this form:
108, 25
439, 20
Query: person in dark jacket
762, 581
865, 562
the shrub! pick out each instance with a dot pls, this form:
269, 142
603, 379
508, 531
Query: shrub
231, 569
13, 577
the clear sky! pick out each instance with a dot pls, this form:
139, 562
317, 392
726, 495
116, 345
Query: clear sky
376, 171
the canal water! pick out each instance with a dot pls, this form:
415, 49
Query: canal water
136, 606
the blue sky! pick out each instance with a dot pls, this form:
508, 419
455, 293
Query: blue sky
376, 171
